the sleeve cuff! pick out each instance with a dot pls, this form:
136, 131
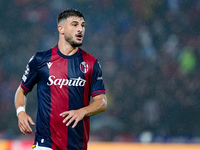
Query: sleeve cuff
24, 87
98, 92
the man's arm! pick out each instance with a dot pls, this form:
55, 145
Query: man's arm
99, 105
23, 118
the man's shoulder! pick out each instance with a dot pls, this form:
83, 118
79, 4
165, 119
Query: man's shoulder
88, 56
39, 56
43, 54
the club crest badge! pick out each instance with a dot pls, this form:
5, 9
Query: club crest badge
84, 67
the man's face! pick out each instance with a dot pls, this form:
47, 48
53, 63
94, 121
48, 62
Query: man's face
74, 30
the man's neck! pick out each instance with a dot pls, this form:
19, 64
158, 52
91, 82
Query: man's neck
67, 49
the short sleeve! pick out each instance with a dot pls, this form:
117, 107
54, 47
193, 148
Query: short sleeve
97, 84
30, 76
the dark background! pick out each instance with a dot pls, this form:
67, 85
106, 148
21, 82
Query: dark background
149, 51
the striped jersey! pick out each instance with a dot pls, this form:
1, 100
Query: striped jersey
63, 83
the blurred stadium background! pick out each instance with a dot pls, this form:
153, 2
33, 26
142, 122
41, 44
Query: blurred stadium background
149, 51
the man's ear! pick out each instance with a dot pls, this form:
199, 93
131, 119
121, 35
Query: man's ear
61, 29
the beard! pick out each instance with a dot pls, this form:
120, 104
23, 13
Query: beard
73, 43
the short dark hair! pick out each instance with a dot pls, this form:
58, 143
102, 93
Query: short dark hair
69, 13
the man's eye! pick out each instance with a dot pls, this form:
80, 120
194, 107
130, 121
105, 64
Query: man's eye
74, 25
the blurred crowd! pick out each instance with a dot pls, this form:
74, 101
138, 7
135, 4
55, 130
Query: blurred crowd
149, 51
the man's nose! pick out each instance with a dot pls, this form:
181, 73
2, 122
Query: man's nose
80, 28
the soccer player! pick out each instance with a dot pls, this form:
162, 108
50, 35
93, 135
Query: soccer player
66, 77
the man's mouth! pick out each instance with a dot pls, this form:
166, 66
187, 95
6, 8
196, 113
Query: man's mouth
79, 36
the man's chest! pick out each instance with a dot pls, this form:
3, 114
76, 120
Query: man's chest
65, 72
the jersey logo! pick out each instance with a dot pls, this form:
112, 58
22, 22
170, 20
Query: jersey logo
84, 67
49, 64
27, 71
65, 82
24, 78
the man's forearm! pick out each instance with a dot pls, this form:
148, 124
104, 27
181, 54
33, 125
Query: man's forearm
20, 98
99, 105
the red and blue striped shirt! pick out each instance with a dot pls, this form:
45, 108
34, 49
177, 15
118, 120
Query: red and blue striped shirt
63, 83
